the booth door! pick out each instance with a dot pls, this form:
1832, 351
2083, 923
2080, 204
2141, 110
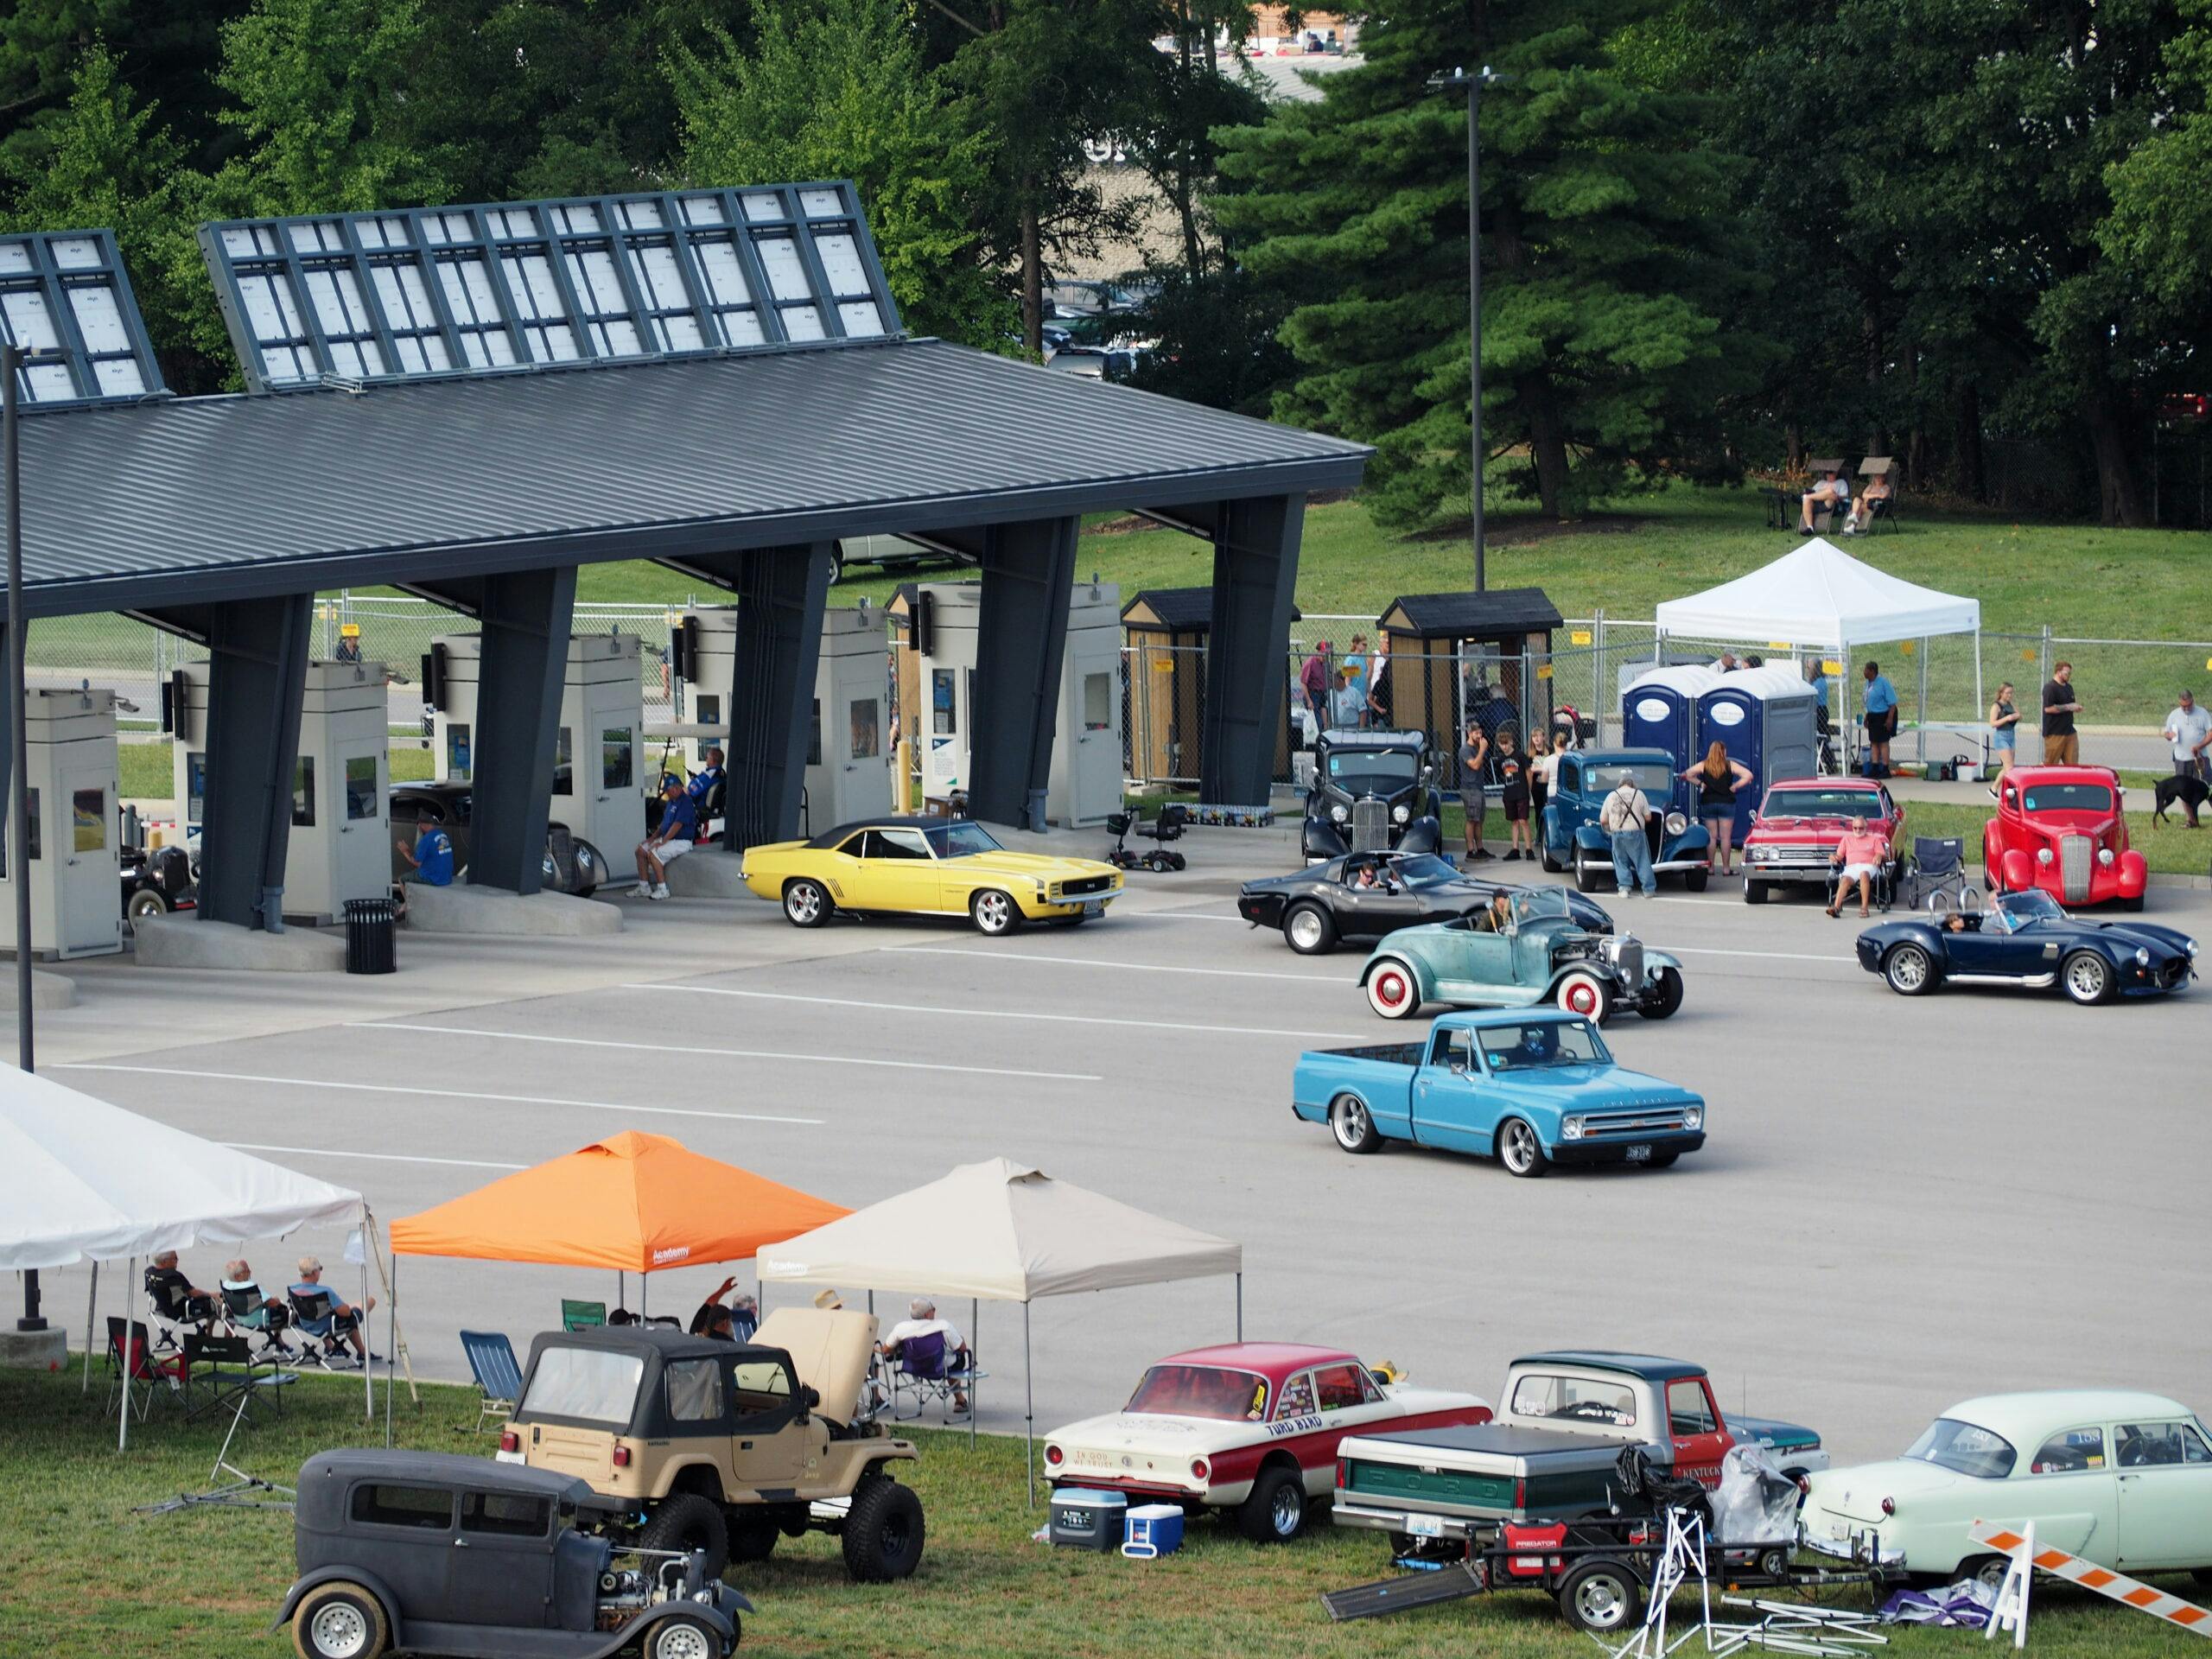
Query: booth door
852, 763
1095, 752
87, 914
364, 841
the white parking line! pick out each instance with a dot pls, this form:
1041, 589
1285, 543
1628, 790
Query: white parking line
1764, 956
380, 1157
1179, 916
1005, 1014
1093, 961
732, 1053
438, 1094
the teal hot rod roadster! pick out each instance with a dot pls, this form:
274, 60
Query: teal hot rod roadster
1536, 952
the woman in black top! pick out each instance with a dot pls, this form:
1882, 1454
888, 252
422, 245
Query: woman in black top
1718, 778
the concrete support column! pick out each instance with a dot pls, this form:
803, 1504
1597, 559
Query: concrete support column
525, 621
1021, 627
1255, 577
257, 676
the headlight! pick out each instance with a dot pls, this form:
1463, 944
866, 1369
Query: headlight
1401, 813
1570, 1129
2191, 946
1676, 824
2043, 855
1760, 855
2142, 957
2104, 857
1339, 813
1692, 1118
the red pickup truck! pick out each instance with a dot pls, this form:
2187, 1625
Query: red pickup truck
1795, 831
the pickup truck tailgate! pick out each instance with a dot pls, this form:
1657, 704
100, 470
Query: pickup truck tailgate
1488, 1470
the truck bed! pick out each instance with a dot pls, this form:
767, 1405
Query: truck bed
1405, 1054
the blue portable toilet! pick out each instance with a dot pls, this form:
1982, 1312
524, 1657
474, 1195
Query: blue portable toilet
1769, 718
1659, 709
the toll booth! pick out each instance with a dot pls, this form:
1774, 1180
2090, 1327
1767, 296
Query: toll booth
1659, 709
848, 745
1769, 717
1084, 785
601, 771
74, 864
1164, 632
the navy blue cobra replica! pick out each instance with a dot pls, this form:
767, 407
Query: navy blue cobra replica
2028, 940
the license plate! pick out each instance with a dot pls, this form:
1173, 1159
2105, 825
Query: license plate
1640, 1154
1424, 1526
510, 1457
1094, 908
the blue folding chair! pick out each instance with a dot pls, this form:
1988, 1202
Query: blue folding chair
492, 1363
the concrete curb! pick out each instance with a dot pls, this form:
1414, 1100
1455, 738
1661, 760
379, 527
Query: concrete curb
491, 913
47, 990
190, 942
708, 873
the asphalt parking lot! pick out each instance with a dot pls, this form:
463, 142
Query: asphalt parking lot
1901, 1203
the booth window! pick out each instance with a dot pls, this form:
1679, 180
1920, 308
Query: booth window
867, 741
614, 757
1097, 703
88, 820
814, 737
360, 787
708, 708
941, 723
303, 792
564, 761
458, 755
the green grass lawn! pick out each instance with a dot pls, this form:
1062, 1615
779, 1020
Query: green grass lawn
83, 1575
146, 769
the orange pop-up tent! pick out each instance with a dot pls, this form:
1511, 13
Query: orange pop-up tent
635, 1203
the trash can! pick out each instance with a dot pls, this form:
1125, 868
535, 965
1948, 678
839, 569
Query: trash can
370, 945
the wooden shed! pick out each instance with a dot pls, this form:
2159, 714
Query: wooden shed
1441, 645
1165, 630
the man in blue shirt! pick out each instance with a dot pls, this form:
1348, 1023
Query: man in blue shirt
1881, 720
431, 856
701, 789
679, 830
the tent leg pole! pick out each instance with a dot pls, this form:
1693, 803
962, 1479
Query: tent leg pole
1920, 733
368, 1326
391, 1347
1240, 1308
1982, 708
91, 1318
1028, 1410
123, 1418
975, 1347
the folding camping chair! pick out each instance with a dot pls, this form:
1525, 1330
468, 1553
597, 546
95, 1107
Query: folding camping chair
582, 1316
315, 1317
171, 1313
924, 1369
1824, 514
249, 1314
132, 1355
205, 1360
1883, 511
492, 1363
1938, 875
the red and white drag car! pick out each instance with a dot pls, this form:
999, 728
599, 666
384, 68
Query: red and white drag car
1248, 1425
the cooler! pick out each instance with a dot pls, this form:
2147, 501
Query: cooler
1083, 1519
1154, 1530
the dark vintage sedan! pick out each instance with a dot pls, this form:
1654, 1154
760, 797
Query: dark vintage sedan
572, 864
2026, 940
1365, 895
1373, 792
426, 1553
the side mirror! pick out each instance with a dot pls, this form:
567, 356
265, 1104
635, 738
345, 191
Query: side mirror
809, 1397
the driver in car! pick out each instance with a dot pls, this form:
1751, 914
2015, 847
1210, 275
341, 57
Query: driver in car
1498, 917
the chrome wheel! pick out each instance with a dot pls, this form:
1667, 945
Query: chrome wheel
338, 1630
146, 902
1306, 930
1599, 1603
992, 911
1351, 1124
1288, 1512
1908, 970
2087, 978
803, 904
1518, 1147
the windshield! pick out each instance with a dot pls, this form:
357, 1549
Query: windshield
2034, 905
960, 840
1422, 870
1540, 904
2066, 797
1578, 1399
1201, 1391
1359, 772
1965, 1449
1656, 781
1822, 803
590, 1383
1541, 1043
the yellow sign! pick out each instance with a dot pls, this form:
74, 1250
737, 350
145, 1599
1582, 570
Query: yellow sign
1906, 647
1779, 644
1579, 636
2028, 656
1543, 671
1829, 665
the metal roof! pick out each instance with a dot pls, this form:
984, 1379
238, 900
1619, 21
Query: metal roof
1179, 610
1470, 615
211, 499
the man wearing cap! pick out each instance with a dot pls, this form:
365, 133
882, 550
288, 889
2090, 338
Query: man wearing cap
345, 1318
921, 1320
679, 828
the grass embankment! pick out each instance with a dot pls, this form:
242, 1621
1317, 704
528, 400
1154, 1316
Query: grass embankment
81, 1574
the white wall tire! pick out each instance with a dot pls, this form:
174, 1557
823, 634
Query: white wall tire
1582, 992
1394, 990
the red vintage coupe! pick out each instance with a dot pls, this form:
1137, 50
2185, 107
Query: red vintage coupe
1795, 833
1250, 1427
2061, 828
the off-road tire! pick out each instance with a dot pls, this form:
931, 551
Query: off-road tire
681, 1636
1665, 997
1353, 1125
884, 1531
1321, 935
753, 1534
1275, 1512
1600, 1597
806, 903
1909, 970
343, 1608
685, 1521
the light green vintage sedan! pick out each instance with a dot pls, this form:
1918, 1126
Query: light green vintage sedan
1532, 952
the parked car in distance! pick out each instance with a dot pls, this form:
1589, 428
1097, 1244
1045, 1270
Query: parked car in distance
156, 881
572, 864
1795, 833
1539, 952
2026, 940
1549, 1454
2063, 830
1531, 1088
2117, 1477
1248, 1426
426, 1553
1366, 895
888, 555
725, 1447
1569, 836
1373, 792
926, 867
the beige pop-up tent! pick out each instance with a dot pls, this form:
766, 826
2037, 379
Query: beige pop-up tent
1000, 1231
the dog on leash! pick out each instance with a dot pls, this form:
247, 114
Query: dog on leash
2189, 791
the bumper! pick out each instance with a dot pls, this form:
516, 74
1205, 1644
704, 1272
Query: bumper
1815, 875
1665, 864
1260, 912
1615, 1152
1378, 1515
1038, 910
1229, 1493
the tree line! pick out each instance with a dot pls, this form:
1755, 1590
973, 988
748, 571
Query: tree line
1717, 235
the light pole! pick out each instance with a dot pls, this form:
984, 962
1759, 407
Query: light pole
1470, 86
12, 358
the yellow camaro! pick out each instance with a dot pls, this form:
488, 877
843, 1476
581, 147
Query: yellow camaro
926, 867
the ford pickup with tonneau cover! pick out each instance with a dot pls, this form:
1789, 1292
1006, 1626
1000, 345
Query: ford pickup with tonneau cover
1529, 1087
1551, 1451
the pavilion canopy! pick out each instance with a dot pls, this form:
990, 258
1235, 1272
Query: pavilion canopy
1819, 596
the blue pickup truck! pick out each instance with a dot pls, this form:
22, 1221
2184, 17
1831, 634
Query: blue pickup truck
1530, 1088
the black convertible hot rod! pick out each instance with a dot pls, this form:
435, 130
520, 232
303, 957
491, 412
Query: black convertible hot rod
1365, 895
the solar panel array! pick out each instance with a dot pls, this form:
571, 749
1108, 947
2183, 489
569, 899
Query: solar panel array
64, 296
532, 284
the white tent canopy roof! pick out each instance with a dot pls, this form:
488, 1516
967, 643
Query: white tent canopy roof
89, 1180
1000, 1231
1818, 595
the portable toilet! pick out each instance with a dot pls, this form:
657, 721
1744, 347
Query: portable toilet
73, 862
1769, 718
1659, 708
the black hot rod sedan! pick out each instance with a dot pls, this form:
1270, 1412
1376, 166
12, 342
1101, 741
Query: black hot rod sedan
1365, 895
2026, 940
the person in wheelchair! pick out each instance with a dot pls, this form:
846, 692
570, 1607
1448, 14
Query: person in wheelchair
924, 1346
320, 1313
176, 1299
250, 1312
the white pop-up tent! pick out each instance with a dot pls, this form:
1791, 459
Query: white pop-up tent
1819, 597
88, 1181
1003, 1232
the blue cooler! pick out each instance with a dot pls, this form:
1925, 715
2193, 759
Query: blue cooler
1154, 1529
1083, 1519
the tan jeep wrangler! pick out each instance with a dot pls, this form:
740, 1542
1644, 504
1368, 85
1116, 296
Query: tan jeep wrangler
723, 1446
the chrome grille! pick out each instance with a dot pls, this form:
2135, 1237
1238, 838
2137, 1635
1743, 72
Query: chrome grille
1077, 889
1627, 953
2076, 856
1370, 826
1654, 1121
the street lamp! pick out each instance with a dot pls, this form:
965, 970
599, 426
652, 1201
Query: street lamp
1472, 87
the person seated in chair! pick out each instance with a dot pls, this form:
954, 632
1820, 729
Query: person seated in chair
1858, 857
343, 1321
176, 1298
734, 1323
248, 1309
1862, 509
677, 833
921, 1320
1831, 494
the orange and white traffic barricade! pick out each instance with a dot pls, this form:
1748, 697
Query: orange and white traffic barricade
2017, 1540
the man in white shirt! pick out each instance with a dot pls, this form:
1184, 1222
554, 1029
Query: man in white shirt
2189, 728
1622, 817
922, 1321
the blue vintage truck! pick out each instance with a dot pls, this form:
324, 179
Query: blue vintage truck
1531, 1088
